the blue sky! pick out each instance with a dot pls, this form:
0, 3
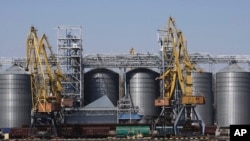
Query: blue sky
115, 26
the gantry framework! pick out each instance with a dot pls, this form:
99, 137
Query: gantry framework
69, 57
154, 60
121, 60
8, 61
137, 60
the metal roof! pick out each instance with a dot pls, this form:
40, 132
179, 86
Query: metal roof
15, 69
233, 67
102, 102
129, 116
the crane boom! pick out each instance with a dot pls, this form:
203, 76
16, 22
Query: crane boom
178, 71
177, 76
46, 80
46, 86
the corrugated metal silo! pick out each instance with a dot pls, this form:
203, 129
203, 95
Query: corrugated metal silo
99, 82
202, 83
144, 89
15, 98
232, 96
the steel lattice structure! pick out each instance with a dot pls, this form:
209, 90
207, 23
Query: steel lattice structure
138, 60
69, 57
121, 61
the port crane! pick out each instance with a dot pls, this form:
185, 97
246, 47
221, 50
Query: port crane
177, 80
46, 86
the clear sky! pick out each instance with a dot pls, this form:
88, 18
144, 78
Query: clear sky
115, 26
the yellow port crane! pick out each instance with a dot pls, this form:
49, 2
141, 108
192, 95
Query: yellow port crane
177, 75
46, 80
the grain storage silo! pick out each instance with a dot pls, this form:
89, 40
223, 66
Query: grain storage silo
202, 85
15, 98
232, 96
144, 89
99, 82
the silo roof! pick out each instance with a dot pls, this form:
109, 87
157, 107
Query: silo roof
234, 67
15, 69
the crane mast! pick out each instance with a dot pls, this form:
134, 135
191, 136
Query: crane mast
46, 80
177, 76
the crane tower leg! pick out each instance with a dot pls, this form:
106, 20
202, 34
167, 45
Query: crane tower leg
43, 125
184, 118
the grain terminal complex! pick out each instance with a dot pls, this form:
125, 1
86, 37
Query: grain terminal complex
116, 95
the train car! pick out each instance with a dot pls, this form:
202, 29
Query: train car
210, 129
19, 133
134, 131
85, 130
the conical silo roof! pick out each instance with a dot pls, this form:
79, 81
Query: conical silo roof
15, 69
234, 67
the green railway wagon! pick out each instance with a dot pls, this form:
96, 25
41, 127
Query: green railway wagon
132, 130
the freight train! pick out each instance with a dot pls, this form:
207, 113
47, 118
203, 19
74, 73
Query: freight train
69, 131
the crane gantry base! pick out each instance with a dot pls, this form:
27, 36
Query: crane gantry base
43, 124
184, 118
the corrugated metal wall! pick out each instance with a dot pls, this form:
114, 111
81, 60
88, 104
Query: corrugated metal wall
144, 89
232, 96
15, 100
202, 83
